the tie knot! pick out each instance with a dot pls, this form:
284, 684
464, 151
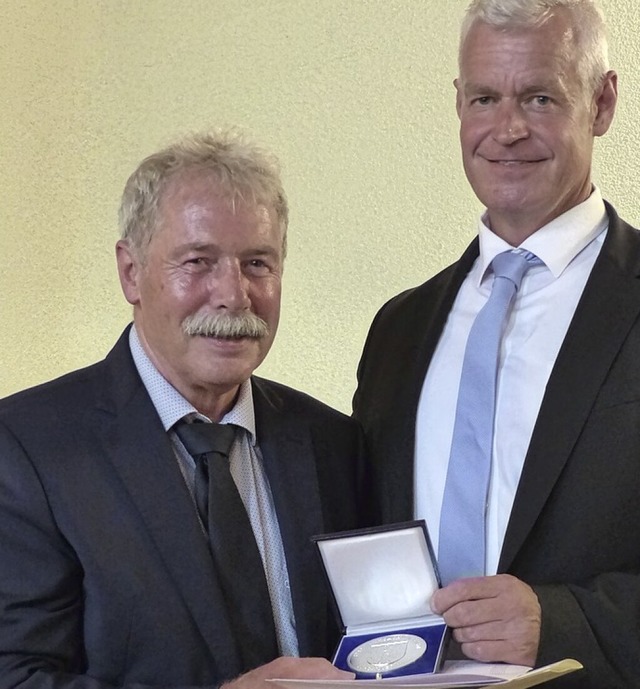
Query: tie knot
202, 438
513, 265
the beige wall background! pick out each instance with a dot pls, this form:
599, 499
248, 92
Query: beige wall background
356, 98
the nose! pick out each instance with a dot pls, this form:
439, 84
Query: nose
511, 124
230, 287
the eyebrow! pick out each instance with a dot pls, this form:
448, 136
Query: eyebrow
539, 88
474, 88
471, 88
259, 250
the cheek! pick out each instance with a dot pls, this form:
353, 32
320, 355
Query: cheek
470, 136
174, 300
187, 289
267, 299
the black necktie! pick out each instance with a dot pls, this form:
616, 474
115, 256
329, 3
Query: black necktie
232, 542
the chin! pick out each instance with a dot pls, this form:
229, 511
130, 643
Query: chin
229, 372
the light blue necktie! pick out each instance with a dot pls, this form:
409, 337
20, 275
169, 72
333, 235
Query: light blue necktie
461, 551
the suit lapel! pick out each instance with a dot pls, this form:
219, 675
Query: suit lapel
141, 453
289, 459
424, 327
608, 308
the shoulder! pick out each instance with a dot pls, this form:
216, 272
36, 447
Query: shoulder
46, 421
286, 400
619, 229
621, 246
617, 222
63, 395
334, 440
404, 307
71, 396
280, 409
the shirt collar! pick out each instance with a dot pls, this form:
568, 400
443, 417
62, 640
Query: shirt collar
172, 406
557, 243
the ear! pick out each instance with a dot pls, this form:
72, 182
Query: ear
605, 103
129, 270
456, 83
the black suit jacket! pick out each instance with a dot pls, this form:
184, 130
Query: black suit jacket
574, 531
105, 574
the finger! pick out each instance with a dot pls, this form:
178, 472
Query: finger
456, 592
492, 631
516, 652
471, 613
486, 651
515, 643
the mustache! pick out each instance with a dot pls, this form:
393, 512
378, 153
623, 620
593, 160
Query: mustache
225, 325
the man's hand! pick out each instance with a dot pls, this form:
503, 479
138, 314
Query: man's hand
494, 619
288, 668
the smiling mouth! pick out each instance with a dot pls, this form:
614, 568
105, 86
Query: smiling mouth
513, 162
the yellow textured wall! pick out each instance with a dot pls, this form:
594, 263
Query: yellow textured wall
356, 98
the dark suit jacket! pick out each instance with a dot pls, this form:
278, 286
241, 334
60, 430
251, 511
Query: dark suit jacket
574, 531
105, 573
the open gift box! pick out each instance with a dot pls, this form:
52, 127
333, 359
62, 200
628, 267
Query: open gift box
382, 580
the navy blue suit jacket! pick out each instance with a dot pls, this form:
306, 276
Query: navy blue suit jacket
105, 574
574, 530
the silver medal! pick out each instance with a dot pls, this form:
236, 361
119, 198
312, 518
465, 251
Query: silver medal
386, 653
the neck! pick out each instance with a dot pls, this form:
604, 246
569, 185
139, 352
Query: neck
209, 399
513, 234
517, 226
213, 405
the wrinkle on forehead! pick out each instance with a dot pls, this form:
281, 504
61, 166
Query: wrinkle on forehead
491, 52
187, 189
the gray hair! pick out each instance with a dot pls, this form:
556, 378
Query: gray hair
587, 20
243, 172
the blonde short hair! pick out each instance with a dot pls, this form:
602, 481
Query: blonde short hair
242, 172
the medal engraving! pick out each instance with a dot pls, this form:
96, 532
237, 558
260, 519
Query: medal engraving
386, 653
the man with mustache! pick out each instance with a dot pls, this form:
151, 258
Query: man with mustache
132, 554
524, 464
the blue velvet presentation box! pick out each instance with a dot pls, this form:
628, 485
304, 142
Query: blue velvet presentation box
382, 580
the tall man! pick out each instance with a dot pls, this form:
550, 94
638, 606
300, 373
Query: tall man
120, 565
559, 552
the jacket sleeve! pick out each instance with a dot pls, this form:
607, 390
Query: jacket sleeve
41, 586
596, 622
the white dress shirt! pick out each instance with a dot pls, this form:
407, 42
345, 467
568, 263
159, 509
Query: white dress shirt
541, 314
